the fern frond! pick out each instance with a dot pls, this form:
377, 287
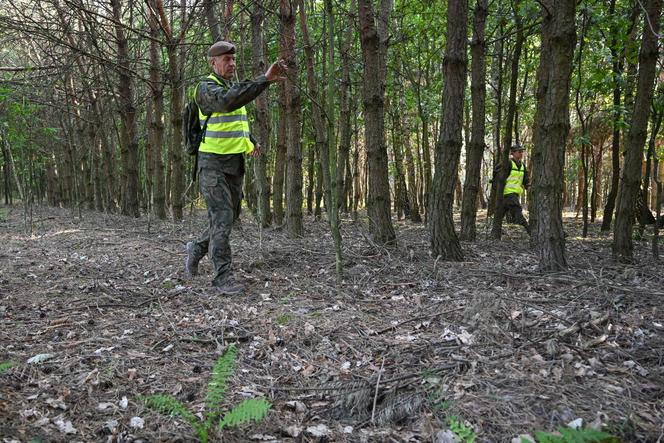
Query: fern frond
569, 435
253, 409
5, 365
221, 372
169, 405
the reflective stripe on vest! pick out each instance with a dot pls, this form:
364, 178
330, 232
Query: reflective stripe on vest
227, 132
514, 183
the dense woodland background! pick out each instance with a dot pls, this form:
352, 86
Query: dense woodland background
385, 299
400, 108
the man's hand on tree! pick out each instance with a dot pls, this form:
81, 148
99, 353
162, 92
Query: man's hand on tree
276, 72
258, 151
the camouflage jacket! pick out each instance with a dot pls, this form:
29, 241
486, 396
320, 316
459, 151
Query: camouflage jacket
227, 97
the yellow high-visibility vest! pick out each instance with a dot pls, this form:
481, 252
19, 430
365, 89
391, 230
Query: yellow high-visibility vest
514, 182
227, 132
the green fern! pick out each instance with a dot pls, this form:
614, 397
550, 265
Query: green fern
221, 372
4, 366
169, 405
569, 435
248, 410
253, 409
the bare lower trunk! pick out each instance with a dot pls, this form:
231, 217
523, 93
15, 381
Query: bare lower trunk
631, 175
444, 241
128, 114
551, 129
292, 109
262, 123
475, 149
374, 40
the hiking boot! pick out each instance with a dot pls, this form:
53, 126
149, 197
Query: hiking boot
230, 287
190, 261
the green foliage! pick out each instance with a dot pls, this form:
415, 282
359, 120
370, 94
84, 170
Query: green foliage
249, 410
4, 366
465, 433
569, 435
3, 214
252, 409
221, 372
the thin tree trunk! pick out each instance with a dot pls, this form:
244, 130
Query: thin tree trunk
280, 162
551, 129
128, 114
618, 52
156, 125
497, 82
212, 18
475, 150
374, 41
636, 137
444, 241
345, 115
287, 11
262, 123
412, 182
504, 154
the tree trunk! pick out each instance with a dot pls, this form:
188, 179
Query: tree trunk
401, 204
262, 123
280, 161
128, 114
444, 241
497, 80
155, 125
287, 11
504, 154
475, 150
636, 137
374, 41
343, 185
212, 18
551, 129
412, 182
618, 52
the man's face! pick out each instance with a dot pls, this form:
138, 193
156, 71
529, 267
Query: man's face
517, 155
224, 65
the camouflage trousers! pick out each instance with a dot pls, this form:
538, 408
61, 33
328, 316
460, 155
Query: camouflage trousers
514, 211
220, 178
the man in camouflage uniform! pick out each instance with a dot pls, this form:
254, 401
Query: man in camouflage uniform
221, 158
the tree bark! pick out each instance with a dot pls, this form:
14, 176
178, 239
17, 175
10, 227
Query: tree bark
475, 150
128, 115
287, 11
155, 123
374, 42
262, 123
551, 129
636, 137
280, 161
444, 241
504, 154
618, 52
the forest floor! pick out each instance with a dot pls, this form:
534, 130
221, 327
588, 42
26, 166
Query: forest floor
400, 346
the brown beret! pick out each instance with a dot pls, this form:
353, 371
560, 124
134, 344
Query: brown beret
221, 48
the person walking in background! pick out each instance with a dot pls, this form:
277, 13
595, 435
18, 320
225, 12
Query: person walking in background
516, 183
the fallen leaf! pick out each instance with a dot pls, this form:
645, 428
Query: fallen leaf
136, 423
64, 426
40, 358
320, 430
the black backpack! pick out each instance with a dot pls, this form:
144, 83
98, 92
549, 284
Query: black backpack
192, 132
